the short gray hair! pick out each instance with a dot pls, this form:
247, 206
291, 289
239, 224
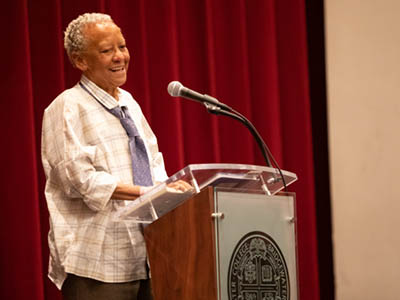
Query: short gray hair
74, 37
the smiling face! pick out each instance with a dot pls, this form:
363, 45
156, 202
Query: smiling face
106, 58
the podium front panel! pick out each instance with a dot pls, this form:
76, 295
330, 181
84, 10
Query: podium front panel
255, 246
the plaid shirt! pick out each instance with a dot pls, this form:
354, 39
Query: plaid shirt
85, 153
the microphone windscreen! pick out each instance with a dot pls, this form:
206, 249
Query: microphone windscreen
174, 88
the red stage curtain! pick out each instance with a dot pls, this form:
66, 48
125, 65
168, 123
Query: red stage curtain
249, 54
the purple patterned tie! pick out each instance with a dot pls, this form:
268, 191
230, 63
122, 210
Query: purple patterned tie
140, 160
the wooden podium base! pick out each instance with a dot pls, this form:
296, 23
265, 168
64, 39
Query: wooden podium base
181, 250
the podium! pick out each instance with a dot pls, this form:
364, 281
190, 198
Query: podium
230, 236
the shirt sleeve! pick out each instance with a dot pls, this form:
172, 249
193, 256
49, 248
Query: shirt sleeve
74, 167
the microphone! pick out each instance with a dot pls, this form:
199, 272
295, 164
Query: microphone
176, 89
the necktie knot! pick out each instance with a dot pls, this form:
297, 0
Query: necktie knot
123, 115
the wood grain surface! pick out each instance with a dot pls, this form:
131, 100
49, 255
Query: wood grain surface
181, 249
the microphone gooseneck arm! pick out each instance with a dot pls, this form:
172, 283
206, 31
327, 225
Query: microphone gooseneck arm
234, 115
260, 142
176, 89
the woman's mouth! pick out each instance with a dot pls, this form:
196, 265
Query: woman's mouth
117, 69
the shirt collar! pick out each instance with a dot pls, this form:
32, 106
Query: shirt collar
102, 96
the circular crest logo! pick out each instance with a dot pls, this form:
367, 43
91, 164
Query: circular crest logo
257, 270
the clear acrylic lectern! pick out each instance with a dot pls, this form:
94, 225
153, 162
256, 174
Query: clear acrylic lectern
160, 200
228, 237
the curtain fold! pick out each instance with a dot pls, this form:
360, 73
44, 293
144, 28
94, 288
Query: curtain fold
20, 251
251, 55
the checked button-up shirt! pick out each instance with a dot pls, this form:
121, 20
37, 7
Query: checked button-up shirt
85, 153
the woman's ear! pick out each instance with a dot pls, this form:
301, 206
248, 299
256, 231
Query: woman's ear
79, 62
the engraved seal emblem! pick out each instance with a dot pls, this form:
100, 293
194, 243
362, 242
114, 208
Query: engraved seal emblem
257, 270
